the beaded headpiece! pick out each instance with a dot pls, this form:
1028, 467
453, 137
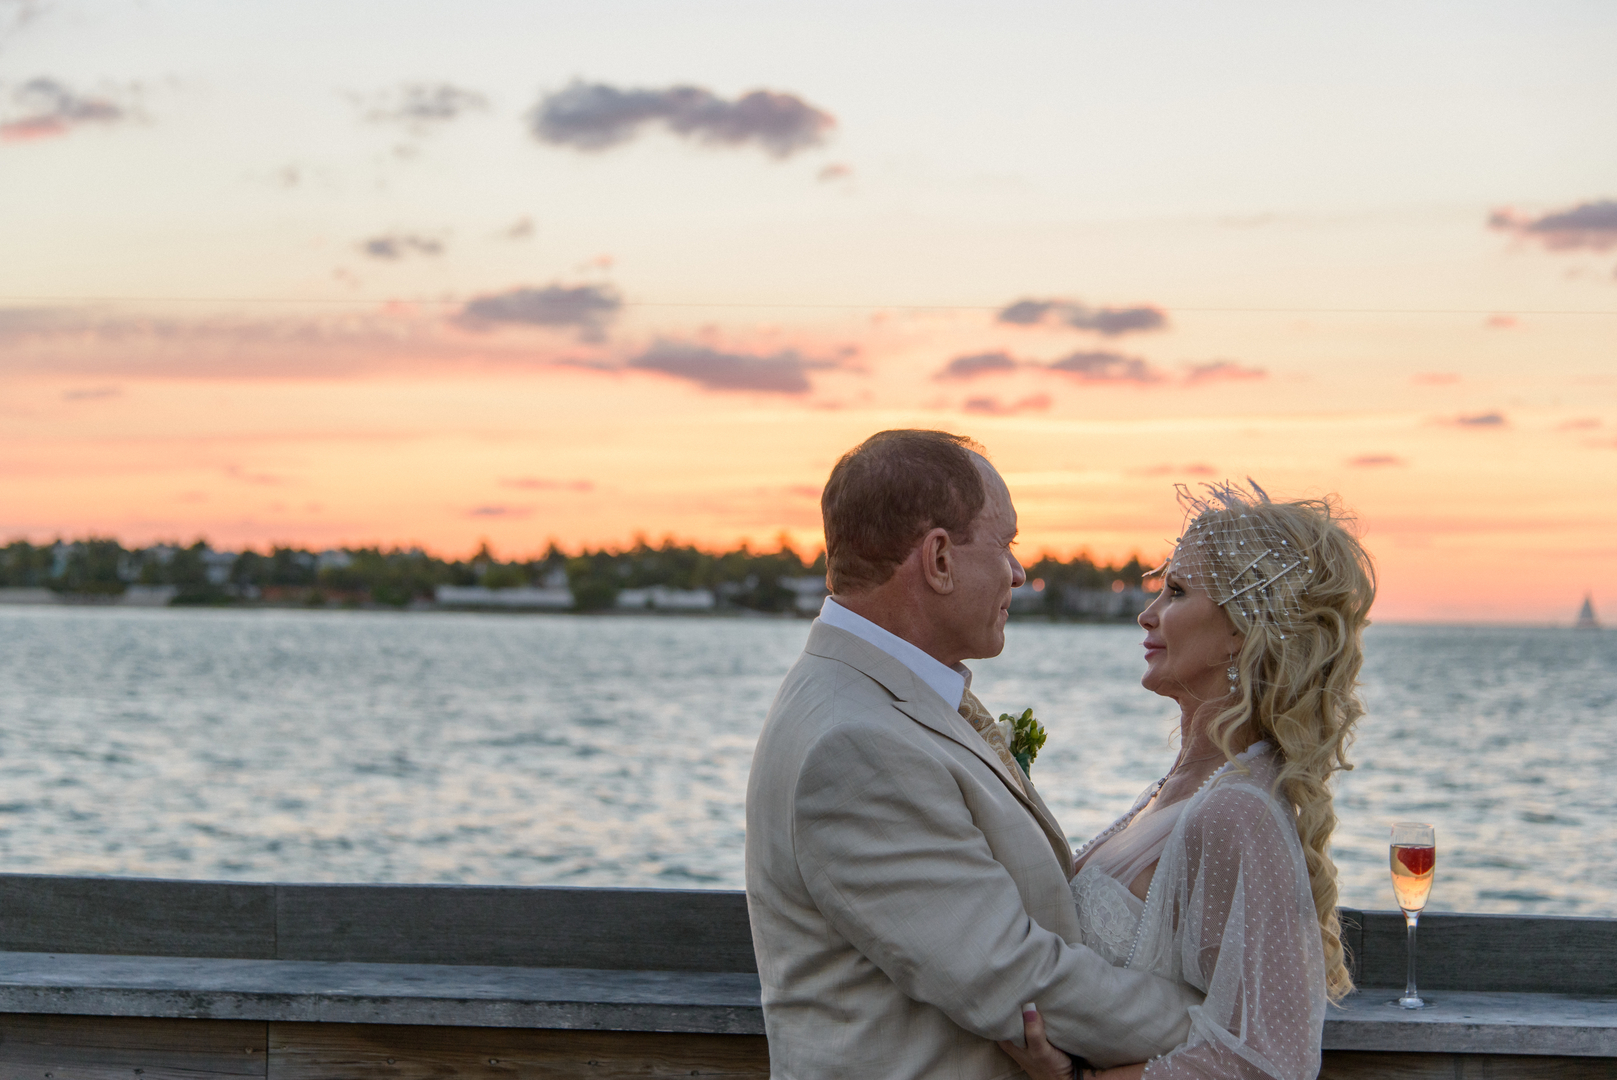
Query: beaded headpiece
1240, 556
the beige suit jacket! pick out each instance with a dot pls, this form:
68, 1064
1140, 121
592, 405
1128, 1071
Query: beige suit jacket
906, 898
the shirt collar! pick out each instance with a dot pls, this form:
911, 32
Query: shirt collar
950, 683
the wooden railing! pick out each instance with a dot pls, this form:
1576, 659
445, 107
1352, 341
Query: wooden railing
106, 976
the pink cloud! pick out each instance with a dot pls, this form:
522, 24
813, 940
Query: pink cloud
241, 475
50, 109
536, 483
594, 117
92, 393
1590, 225
1195, 468
1105, 367
1106, 321
1481, 420
962, 368
784, 372
1222, 371
31, 128
987, 406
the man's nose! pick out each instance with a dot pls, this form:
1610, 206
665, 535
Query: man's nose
1018, 575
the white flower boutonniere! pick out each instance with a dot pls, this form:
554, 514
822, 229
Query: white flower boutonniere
1025, 736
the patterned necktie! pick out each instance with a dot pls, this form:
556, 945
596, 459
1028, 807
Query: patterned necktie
977, 715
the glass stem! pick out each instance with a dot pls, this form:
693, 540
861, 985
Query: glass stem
1410, 919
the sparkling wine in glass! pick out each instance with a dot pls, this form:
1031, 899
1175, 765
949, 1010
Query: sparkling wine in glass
1414, 860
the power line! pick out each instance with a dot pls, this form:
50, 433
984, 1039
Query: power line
777, 305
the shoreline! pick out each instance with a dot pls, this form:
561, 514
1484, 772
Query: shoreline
92, 602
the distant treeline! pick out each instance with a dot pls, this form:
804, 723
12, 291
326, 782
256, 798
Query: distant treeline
741, 578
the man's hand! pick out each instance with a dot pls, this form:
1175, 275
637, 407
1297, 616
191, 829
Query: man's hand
1042, 1061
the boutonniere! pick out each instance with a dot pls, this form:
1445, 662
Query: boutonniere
1025, 736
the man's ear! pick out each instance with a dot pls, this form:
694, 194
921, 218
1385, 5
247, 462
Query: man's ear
937, 561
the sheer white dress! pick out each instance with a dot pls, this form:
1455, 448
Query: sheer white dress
1229, 911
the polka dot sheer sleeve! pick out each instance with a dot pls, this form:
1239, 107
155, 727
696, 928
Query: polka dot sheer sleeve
1230, 912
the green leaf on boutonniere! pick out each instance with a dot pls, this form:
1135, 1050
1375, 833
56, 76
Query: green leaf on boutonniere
1027, 738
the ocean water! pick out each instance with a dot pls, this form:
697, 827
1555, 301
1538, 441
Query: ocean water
381, 747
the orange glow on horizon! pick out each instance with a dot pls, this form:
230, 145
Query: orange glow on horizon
271, 285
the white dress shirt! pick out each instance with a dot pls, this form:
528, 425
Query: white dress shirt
949, 682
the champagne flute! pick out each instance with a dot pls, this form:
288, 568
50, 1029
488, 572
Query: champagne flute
1414, 859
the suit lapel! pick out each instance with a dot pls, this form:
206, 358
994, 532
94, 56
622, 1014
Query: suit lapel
953, 726
922, 704
1052, 830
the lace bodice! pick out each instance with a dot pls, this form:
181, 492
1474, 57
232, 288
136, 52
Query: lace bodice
1230, 911
1108, 914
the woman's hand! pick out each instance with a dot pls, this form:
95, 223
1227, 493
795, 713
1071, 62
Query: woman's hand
1042, 1061
1039, 1059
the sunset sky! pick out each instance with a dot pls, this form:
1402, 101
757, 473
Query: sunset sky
350, 272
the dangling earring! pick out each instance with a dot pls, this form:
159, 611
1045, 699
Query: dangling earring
1233, 673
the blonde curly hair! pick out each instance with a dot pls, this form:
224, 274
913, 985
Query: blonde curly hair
1295, 580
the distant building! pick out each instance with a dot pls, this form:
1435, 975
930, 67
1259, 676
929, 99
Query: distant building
148, 595
133, 596
1028, 598
1114, 603
333, 559
60, 554
162, 554
17, 594
811, 593
218, 565
525, 598
662, 598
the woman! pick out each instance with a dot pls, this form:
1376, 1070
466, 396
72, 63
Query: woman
1219, 876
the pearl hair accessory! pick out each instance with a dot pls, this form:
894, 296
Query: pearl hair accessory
1240, 556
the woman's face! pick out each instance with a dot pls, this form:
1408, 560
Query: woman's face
1189, 643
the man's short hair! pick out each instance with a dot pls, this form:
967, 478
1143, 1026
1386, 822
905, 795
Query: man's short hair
887, 493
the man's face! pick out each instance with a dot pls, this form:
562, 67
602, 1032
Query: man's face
985, 572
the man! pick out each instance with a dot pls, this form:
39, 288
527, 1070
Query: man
907, 886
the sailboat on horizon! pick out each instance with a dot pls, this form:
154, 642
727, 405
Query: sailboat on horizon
1586, 614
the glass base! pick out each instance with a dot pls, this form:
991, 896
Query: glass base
1409, 1001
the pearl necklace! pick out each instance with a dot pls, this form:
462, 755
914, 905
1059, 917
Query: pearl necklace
1150, 890
1139, 805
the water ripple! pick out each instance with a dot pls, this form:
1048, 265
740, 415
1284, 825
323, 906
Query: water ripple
370, 746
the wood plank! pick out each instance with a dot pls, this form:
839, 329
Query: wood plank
641, 929
1540, 954
715, 1002
1475, 1022
136, 917
36, 1047
1358, 1065
366, 1051
616, 929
